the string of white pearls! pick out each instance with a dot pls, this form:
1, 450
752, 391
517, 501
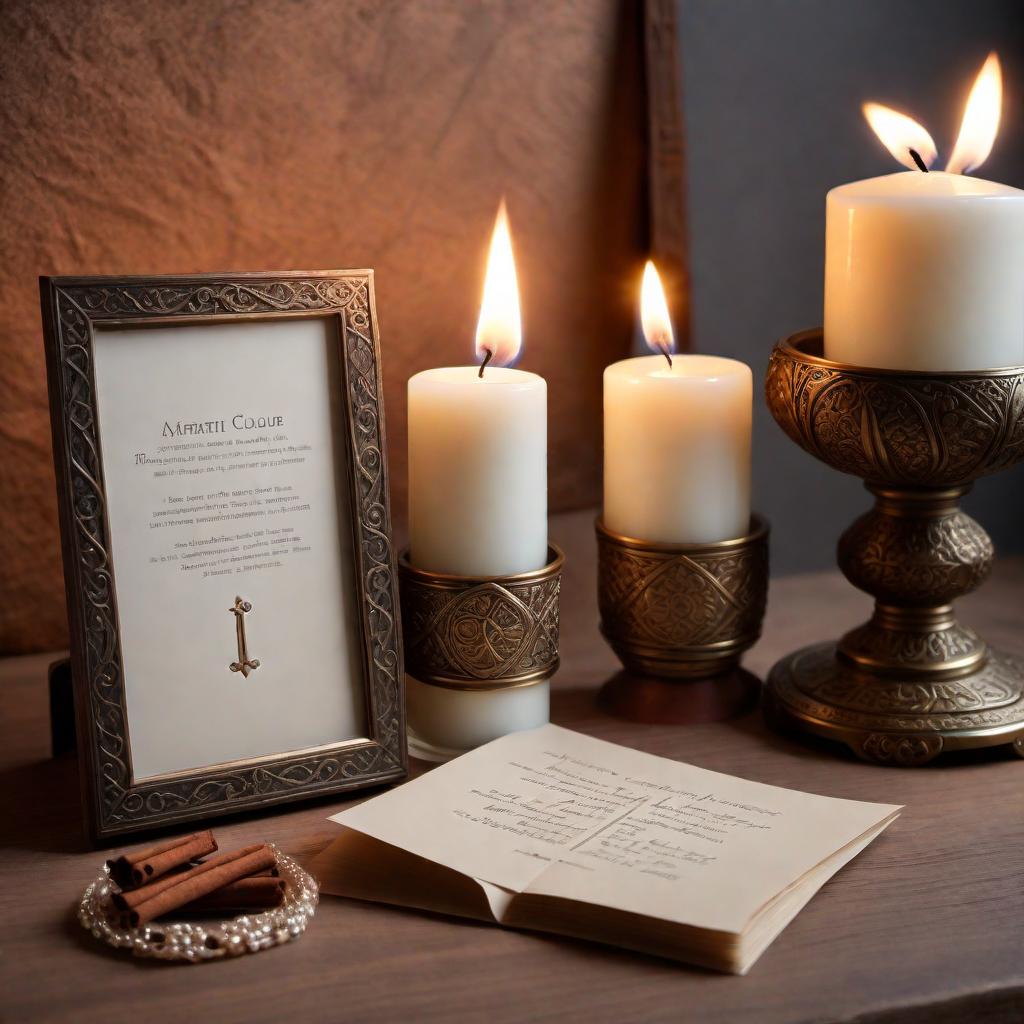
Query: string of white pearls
196, 941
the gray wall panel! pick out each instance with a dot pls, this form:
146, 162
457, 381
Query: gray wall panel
772, 100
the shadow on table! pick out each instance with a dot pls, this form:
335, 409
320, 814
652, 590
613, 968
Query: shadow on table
40, 807
41, 812
732, 703
659, 703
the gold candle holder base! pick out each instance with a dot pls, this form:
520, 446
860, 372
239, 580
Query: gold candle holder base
681, 612
911, 683
481, 633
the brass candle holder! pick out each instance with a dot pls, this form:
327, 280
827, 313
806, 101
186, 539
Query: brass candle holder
912, 682
681, 613
481, 633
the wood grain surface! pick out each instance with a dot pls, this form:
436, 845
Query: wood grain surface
924, 926
143, 137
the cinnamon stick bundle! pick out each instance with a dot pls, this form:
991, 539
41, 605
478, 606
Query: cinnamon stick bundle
134, 869
189, 886
133, 897
260, 892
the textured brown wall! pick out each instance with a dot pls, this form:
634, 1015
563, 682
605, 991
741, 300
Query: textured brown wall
201, 136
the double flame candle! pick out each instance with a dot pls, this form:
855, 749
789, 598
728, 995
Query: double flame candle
478, 497
676, 438
924, 270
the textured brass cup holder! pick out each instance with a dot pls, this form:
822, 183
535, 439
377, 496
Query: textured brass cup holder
481, 633
912, 682
679, 612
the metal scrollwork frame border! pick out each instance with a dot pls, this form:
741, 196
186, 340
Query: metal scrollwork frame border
72, 307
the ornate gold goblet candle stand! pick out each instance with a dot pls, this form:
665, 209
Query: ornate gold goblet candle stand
682, 613
480, 636
911, 682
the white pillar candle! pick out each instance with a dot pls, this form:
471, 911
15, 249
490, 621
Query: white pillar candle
677, 448
676, 439
446, 723
478, 471
478, 500
925, 270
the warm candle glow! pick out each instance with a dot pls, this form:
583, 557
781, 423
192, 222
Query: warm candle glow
901, 135
654, 316
499, 330
981, 119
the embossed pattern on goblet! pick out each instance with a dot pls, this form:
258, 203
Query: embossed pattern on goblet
682, 610
481, 633
911, 682
892, 428
915, 552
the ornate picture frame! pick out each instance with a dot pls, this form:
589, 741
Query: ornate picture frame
74, 310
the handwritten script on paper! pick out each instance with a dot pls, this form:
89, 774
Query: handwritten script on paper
595, 813
552, 812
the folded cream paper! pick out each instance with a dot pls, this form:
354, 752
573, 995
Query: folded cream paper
556, 831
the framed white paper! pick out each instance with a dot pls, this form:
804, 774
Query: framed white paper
219, 445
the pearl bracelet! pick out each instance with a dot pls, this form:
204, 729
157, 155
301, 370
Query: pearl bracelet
193, 942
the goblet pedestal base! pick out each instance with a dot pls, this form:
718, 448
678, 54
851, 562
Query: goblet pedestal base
911, 682
898, 720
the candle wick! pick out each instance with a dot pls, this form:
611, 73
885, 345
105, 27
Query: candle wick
916, 157
487, 359
665, 352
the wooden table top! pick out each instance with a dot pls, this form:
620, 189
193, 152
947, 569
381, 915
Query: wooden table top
926, 924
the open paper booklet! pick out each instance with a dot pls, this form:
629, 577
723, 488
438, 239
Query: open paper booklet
555, 831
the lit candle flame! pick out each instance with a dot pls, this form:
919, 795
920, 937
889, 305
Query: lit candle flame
901, 135
654, 316
499, 331
981, 119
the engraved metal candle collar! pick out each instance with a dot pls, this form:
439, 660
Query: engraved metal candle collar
481, 632
911, 682
682, 611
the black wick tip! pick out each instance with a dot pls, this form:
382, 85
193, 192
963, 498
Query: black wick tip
668, 355
487, 358
916, 157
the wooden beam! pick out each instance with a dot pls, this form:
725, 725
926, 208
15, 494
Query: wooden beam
666, 160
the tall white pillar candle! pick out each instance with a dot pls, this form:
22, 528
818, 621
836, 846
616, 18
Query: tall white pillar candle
478, 500
446, 723
478, 471
925, 270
